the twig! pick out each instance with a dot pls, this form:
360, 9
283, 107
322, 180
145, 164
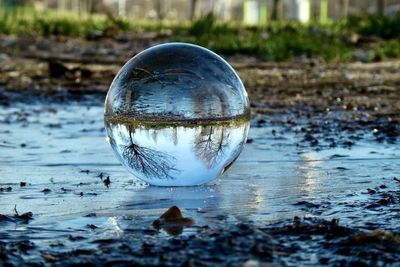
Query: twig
15, 210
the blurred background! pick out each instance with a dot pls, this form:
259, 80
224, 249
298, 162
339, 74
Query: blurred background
247, 11
272, 30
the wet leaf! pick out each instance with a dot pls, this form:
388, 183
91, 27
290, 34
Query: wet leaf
172, 221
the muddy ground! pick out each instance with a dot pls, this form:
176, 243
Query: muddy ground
366, 95
345, 117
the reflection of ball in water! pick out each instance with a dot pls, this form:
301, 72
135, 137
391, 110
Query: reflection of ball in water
177, 114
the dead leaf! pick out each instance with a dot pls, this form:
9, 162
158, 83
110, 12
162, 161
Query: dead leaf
172, 221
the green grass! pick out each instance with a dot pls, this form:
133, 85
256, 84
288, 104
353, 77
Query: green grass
387, 50
283, 40
277, 41
28, 21
384, 27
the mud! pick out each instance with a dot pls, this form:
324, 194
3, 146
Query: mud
317, 182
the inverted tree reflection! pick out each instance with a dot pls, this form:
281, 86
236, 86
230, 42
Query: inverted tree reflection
150, 162
210, 144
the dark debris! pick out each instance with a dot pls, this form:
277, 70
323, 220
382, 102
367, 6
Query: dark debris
232, 245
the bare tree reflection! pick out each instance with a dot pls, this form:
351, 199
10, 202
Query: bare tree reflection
210, 144
207, 99
149, 162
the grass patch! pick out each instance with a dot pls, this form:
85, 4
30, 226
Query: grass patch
278, 41
29, 21
388, 50
283, 40
384, 27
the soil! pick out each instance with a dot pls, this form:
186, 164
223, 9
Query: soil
349, 96
342, 120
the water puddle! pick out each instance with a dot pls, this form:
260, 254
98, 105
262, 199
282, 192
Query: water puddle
56, 163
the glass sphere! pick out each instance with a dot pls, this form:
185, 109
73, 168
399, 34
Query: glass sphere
177, 114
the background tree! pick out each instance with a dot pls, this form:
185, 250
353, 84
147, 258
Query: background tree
159, 9
323, 11
344, 7
275, 9
193, 8
380, 8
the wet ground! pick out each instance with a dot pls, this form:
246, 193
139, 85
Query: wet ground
318, 182
56, 163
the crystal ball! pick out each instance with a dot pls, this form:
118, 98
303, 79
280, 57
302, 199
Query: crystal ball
177, 114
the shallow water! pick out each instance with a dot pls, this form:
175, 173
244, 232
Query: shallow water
63, 148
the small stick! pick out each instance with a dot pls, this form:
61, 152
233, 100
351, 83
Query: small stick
15, 210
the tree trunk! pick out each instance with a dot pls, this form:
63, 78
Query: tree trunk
159, 9
323, 11
61, 4
380, 8
275, 10
121, 8
193, 5
264, 13
344, 4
